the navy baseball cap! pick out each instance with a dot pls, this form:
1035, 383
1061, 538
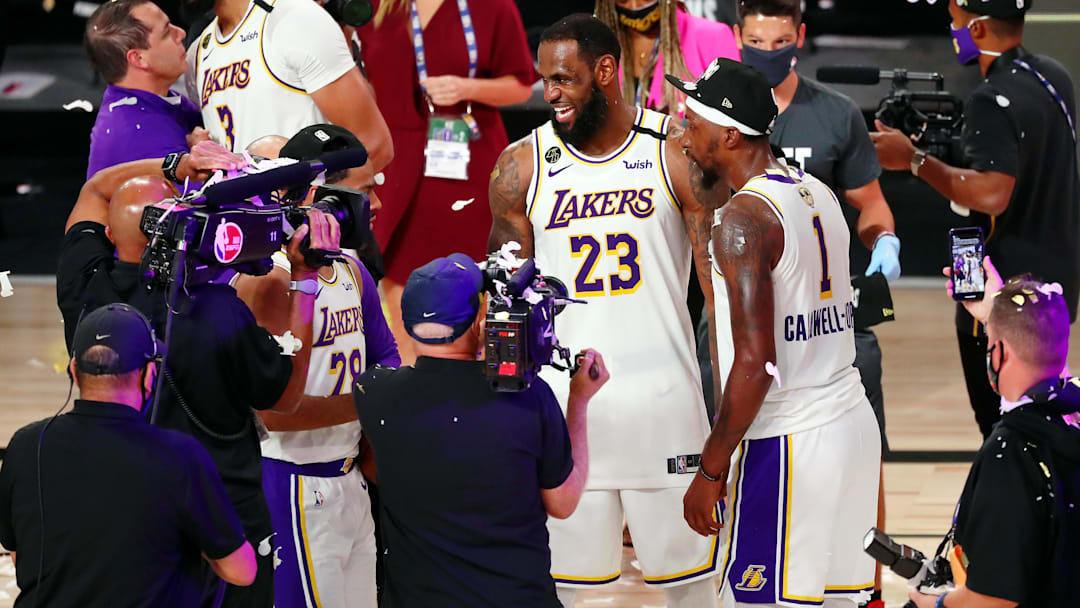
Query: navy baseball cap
444, 291
123, 330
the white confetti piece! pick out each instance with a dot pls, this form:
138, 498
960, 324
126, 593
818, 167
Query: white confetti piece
6, 289
770, 369
79, 104
289, 344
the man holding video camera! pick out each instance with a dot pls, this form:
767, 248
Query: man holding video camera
1020, 139
1017, 528
221, 365
468, 475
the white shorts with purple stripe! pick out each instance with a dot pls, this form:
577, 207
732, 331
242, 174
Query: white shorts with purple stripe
798, 507
324, 537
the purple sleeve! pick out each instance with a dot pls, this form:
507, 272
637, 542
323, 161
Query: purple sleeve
381, 347
128, 133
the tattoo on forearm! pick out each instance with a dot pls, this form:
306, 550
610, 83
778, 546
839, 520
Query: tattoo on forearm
506, 193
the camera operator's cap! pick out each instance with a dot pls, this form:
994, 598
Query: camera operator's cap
314, 141
1001, 9
445, 291
120, 328
731, 94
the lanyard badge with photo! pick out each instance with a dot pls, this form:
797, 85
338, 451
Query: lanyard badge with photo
447, 151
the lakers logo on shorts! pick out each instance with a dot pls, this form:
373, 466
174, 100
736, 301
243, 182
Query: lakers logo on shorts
753, 579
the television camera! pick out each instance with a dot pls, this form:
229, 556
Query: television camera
519, 326
933, 119
928, 575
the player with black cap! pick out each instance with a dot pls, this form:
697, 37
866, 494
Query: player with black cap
467, 476
1020, 140
101, 476
312, 458
795, 446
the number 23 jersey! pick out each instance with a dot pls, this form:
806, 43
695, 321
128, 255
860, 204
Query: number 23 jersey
612, 229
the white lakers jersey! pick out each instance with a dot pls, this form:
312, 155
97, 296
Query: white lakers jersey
612, 229
256, 80
814, 319
338, 356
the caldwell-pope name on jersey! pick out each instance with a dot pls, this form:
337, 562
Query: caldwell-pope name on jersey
235, 74
339, 323
569, 207
820, 322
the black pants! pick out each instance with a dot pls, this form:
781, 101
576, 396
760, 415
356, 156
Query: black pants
984, 401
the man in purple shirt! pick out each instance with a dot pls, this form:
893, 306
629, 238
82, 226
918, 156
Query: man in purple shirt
139, 53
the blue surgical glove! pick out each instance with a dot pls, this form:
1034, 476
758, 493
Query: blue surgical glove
885, 257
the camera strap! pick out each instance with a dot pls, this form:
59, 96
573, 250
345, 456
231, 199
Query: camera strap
1053, 93
199, 423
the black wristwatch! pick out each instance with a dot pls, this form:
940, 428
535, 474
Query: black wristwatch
171, 164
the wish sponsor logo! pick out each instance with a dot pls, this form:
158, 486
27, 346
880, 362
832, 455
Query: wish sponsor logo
249, 36
569, 207
637, 164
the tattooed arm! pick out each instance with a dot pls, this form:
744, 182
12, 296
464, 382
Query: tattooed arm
506, 194
747, 242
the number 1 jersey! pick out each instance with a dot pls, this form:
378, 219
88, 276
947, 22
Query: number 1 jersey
612, 229
813, 318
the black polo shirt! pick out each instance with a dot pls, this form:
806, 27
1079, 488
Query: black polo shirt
128, 510
221, 363
1013, 125
1017, 520
460, 468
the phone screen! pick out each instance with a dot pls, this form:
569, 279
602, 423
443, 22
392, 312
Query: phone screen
969, 278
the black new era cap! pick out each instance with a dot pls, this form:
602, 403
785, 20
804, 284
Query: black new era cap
312, 142
120, 328
1001, 9
731, 94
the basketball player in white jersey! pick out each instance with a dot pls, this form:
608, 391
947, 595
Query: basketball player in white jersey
265, 67
601, 197
324, 544
795, 448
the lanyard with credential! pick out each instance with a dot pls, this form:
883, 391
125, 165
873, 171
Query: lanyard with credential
1053, 92
470, 44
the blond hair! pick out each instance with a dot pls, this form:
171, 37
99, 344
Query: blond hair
386, 7
670, 49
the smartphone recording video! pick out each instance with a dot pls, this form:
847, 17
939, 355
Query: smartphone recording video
968, 276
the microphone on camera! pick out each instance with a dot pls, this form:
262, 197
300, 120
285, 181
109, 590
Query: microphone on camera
339, 160
870, 75
253, 184
286, 176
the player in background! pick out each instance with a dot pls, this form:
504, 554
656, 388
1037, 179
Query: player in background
795, 447
277, 66
601, 196
324, 544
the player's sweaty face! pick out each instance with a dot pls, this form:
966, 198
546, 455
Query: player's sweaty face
699, 145
568, 81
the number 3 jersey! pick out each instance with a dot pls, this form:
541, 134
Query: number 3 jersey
612, 229
257, 80
813, 322
338, 355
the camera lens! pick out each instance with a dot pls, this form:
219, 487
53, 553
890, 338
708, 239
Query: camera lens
350, 12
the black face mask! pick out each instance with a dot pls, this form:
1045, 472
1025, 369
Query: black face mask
994, 374
774, 65
591, 116
639, 19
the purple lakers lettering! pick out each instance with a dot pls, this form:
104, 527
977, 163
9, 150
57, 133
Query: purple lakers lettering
339, 323
235, 74
569, 207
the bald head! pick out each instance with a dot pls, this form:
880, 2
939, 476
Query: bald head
125, 212
268, 146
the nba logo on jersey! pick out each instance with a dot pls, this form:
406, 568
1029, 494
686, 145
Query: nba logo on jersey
228, 242
753, 579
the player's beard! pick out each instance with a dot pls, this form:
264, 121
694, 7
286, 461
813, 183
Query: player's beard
591, 116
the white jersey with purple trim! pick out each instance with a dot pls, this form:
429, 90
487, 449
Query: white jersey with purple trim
257, 80
612, 229
338, 356
814, 381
